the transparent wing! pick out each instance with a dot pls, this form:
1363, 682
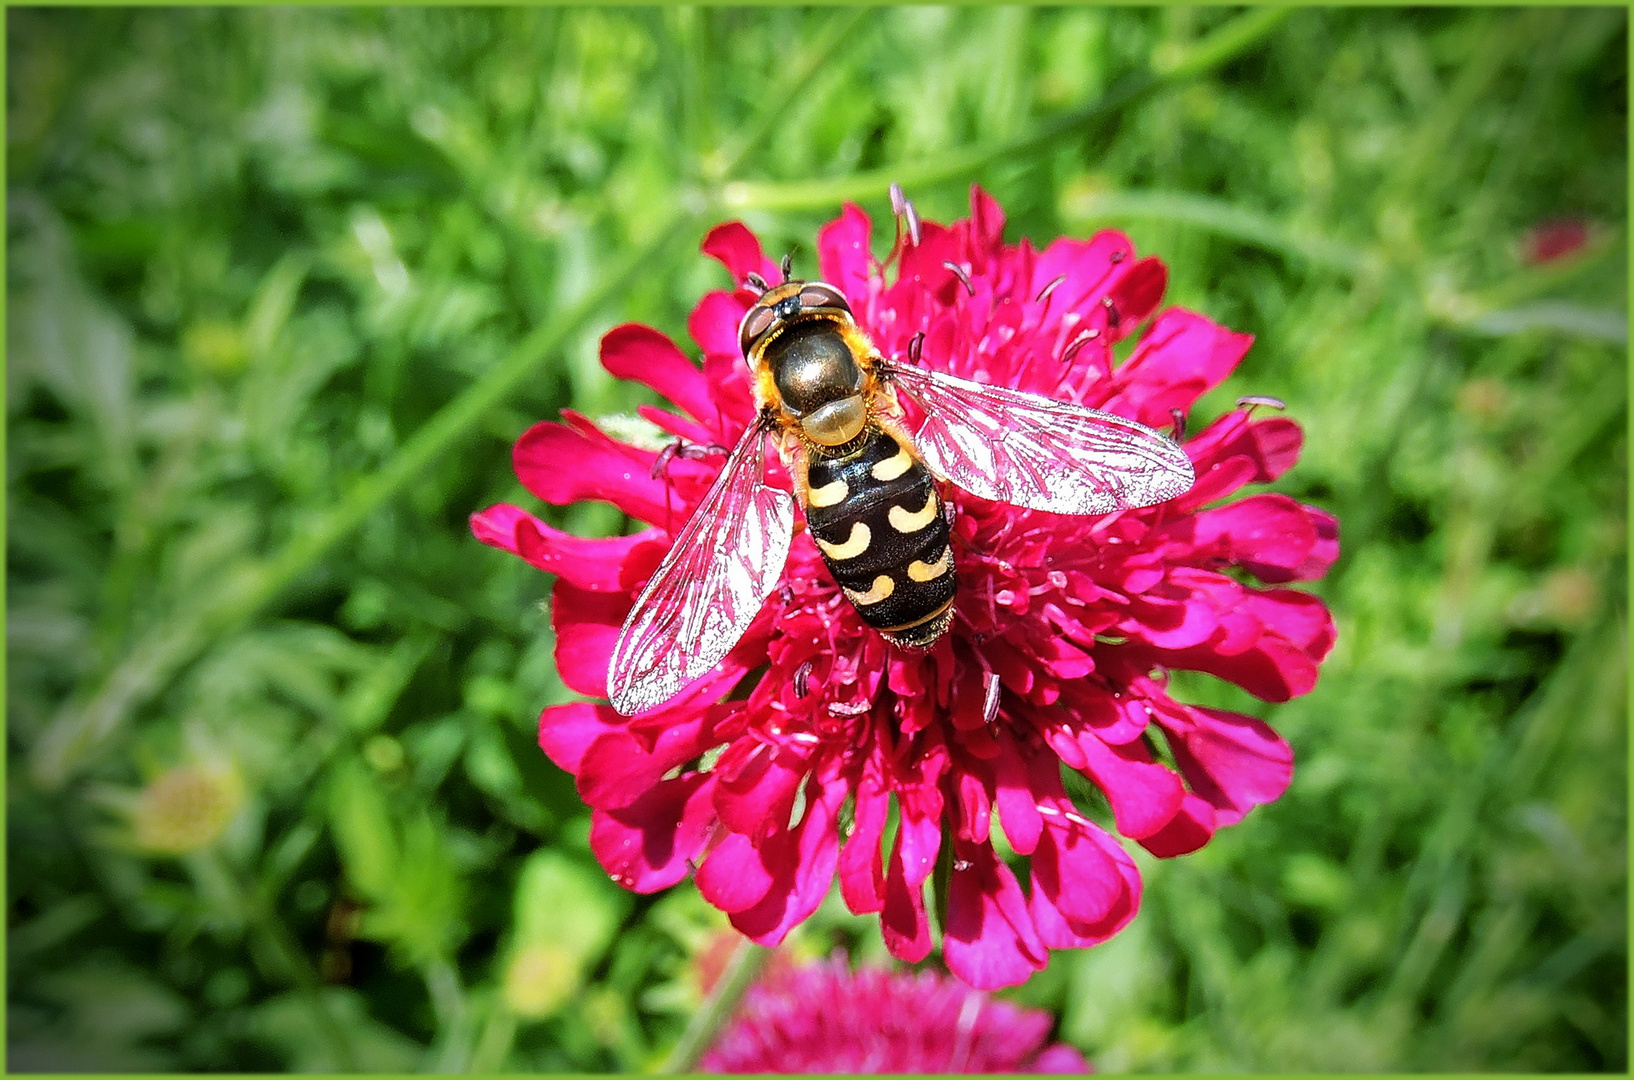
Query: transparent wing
1039, 453
710, 586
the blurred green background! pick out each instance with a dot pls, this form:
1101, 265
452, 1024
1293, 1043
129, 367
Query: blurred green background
283, 286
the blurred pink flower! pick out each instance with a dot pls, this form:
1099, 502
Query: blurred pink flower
1553, 240
823, 1018
1065, 626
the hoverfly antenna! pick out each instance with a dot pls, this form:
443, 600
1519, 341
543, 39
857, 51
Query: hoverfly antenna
756, 282
787, 265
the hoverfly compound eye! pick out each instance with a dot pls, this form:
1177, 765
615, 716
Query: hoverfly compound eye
756, 323
817, 294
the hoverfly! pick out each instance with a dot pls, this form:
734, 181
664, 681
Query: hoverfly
867, 488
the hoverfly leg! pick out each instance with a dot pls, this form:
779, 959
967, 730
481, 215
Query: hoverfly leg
660, 466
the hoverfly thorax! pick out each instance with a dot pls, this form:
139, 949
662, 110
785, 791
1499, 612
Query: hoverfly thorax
811, 364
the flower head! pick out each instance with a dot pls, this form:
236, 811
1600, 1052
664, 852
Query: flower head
1065, 627
824, 1018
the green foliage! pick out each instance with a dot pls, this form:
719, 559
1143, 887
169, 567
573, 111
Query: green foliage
284, 284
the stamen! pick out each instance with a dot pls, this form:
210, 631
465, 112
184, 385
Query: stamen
1251, 400
1077, 343
802, 675
1112, 316
849, 708
1116, 257
913, 223
990, 697
960, 273
1044, 293
756, 282
1179, 423
915, 346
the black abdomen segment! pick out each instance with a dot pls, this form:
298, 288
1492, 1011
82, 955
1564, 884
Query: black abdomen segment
878, 522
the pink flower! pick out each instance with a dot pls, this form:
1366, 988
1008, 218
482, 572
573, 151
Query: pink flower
1554, 240
1064, 631
823, 1018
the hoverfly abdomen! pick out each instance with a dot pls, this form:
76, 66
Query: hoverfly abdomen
879, 524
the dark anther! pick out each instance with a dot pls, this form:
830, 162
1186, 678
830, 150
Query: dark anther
915, 345
785, 594
1179, 423
755, 281
1117, 257
958, 272
1044, 293
802, 677
1079, 342
787, 265
1112, 316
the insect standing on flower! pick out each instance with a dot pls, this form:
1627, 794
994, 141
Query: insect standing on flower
866, 486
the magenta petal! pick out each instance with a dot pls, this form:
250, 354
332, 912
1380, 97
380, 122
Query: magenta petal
567, 731
598, 565
1137, 293
576, 461
643, 355
804, 861
862, 872
1190, 829
1017, 804
990, 941
734, 877
1059, 932
1077, 875
738, 249
758, 786
903, 922
842, 252
1326, 550
713, 324
1144, 795
650, 844
1061, 1060
587, 626
1235, 762
1272, 444
618, 768
1180, 358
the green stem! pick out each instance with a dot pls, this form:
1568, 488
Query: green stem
747, 961
263, 921
1224, 44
